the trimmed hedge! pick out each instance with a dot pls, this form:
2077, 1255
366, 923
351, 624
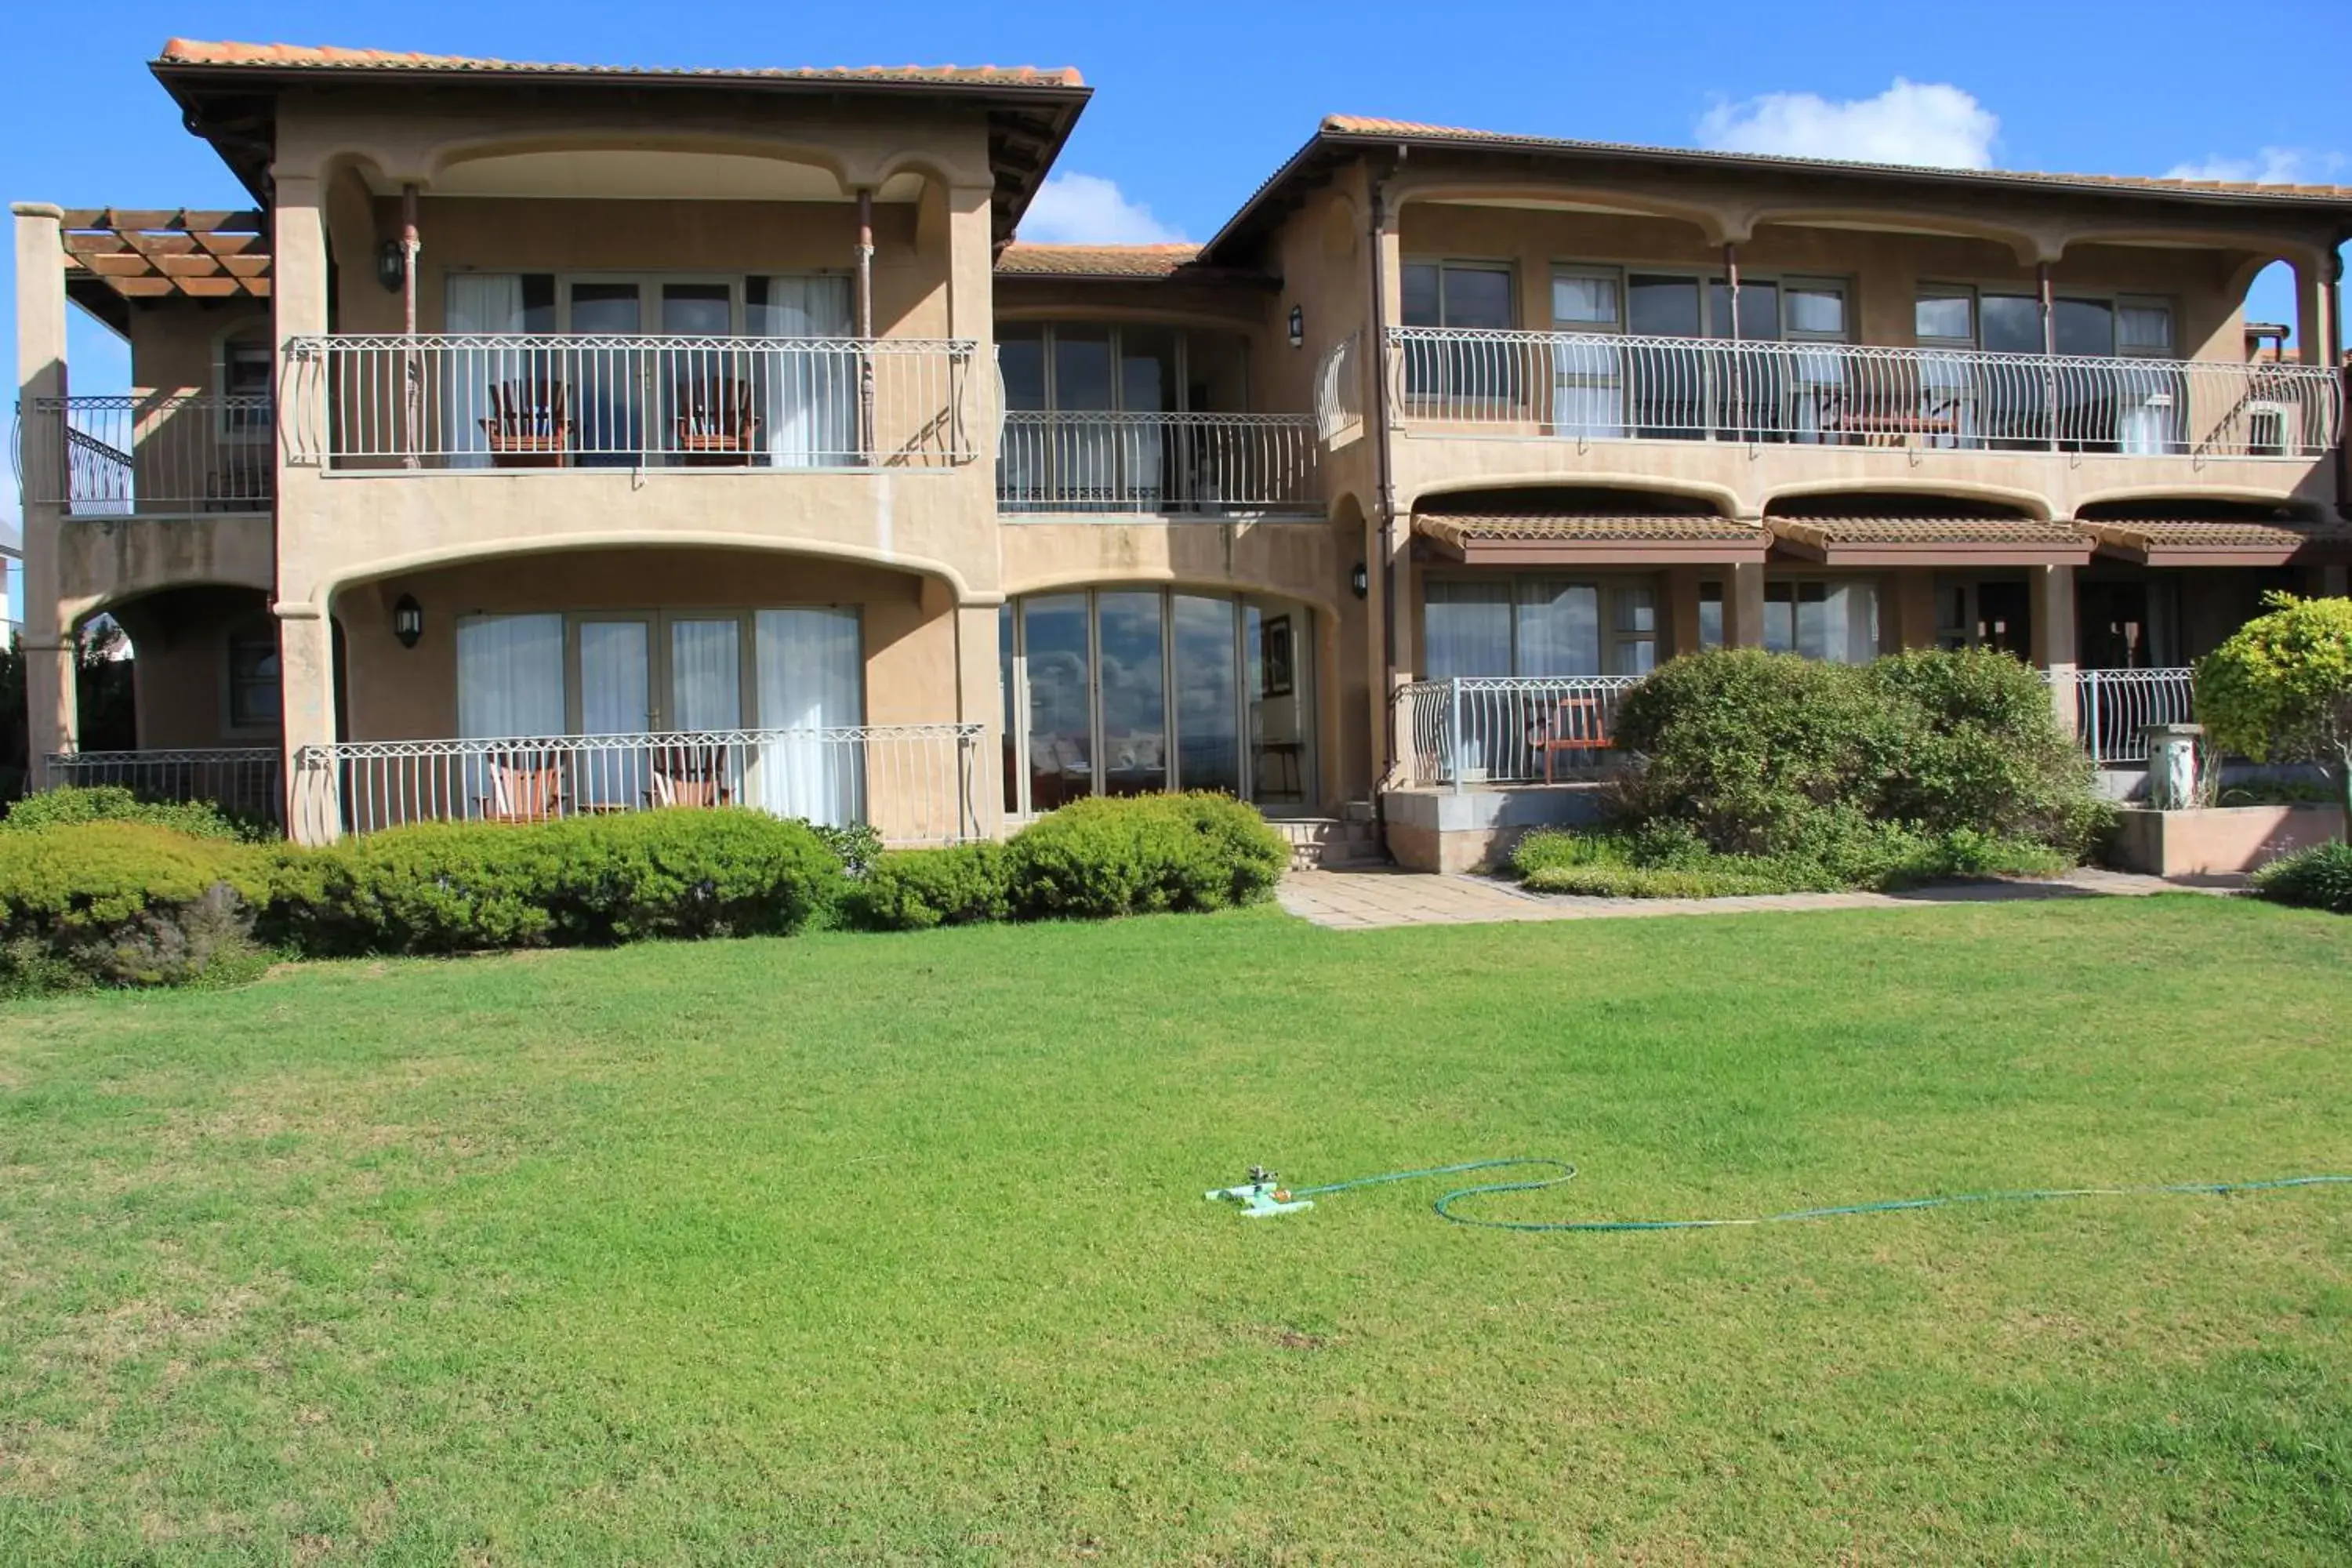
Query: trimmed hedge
1143, 855
112, 802
96, 902
2320, 877
1665, 861
1847, 767
579, 881
915, 890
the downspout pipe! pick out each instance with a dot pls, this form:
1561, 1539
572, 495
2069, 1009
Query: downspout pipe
1385, 491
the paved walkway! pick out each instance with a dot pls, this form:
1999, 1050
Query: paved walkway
1360, 900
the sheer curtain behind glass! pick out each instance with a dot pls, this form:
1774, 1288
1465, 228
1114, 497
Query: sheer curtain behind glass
465, 380
509, 684
1587, 397
809, 395
811, 678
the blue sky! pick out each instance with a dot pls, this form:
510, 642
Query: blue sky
1196, 104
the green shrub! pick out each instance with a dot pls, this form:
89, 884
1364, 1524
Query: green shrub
1984, 752
915, 890
2320, 877
99, 903
112, 802
1143, 854
1666, 860
1603, 880
855, 845
456, 887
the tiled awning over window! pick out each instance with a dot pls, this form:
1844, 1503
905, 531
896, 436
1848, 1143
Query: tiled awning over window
1542, 538
1930, 540
2211, 542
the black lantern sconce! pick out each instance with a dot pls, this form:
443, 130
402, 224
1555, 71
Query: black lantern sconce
408, 621
1297, 327
390, 266
1361, 580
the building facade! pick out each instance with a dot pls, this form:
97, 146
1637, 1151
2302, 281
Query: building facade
551, 440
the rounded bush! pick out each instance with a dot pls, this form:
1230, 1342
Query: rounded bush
1984, 752
125, 903
2320, 877
1144, 853
915, 890
112, 802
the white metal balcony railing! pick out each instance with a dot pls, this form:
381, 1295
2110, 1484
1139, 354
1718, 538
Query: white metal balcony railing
393, 402
1507, 729
1212, 465
1606, 386
1517, 729
174, 454
1340, 388
241, 780
2113, 708
912, 783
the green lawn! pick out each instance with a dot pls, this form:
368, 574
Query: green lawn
892, 1248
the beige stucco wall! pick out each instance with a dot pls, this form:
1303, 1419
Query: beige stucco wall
180, 669
397, 693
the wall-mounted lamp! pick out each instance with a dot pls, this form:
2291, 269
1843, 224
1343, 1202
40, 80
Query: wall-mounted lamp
1297, 327
390, 266
408, 621
1361, 580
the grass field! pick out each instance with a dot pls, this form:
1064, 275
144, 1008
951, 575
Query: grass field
872, 1249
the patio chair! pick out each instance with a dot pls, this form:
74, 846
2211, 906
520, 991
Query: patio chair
522, 789
530, 424
1575, 724
716, 421
690, 775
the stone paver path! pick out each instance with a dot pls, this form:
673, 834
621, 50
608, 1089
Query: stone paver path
1363, 900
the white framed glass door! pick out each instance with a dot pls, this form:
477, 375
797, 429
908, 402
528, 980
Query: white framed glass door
615, 654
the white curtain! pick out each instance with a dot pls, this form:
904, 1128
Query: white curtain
616, 699
1836, 622
810, 395
1466, 629
510, 683
810, 677
1559, 627
477, 302
706, 675
1588, 374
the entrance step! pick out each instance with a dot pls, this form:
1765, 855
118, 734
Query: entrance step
1329, 843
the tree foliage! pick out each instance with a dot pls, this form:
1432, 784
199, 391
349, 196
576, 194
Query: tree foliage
2280, 690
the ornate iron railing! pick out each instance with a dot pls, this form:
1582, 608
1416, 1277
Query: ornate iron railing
2113, 708
1601, 386
914, 783
244, 781
1507, 729
171, 455
1207, 465
1340, 388
541, 400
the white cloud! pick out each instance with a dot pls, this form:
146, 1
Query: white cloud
2271, 166
1931, 123
1087, 209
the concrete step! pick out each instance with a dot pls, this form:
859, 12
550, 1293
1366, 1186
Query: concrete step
1326, 843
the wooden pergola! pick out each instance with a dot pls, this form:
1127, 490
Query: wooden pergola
117, 259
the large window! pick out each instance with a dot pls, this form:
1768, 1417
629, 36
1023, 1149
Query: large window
1466, 297
255, 693
1832, 619
1537, 626
2135, 408
1090, 415
1135, 690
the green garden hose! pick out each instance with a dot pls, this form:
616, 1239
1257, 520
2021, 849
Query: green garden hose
1564, 1172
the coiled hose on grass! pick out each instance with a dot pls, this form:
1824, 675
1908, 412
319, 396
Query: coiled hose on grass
1564, 1172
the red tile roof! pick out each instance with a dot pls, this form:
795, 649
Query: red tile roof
1025, 260
1414, 130
301, 56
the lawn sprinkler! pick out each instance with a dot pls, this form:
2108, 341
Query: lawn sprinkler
1260, 1196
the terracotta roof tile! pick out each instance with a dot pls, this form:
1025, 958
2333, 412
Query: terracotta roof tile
1021, 259
2158, 536
1414, 130
1458, 528
299, 57
1829, 533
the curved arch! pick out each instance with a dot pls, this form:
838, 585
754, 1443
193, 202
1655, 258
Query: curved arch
2028, 245
930, 165
2207, 493
1717, 225
2269, 247
75, 610
2032, 504
319, 592
1062, 579
1723, 497
438, 158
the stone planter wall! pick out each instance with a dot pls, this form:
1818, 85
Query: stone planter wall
2218, 840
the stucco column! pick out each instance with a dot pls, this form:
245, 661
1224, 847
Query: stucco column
2313, 337
1743, 605
980, 700
306, 663
2054, 644
52, 721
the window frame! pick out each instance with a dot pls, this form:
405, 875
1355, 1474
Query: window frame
1609, 588
2116, 300
1707, 278
235, 719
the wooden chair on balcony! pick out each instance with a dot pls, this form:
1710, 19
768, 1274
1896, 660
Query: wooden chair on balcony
690, 775
523, 789
717, 425
530, 424
1889, 417
1575, 724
